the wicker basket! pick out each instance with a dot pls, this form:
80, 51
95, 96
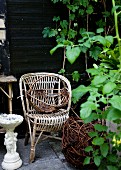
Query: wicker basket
75, 139
47, 100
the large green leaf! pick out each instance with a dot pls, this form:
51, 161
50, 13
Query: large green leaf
104, 148
115, 8
87, 108
64, 24
89, 9
55, 48
76, 76
72, 53
56, 18
89, 148
53, 33
84, 3
87, 160
72, 33
98, 141
87, 44
85, 112
45, 32
98, 80
97, 160
109, 87
93, 134
113, 114
83, 49
99, 39
100, 30
112, 158
93, 71
93, 116
116, 102
111, 167
73, 8
100, 128
110, 38
78, 93
94, 52
89, 104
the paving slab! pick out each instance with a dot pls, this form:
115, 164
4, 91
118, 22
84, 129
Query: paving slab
48, 156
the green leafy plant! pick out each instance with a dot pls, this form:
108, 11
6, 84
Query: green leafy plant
74, 36
103, 101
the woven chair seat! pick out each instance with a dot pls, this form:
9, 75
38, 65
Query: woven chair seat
60, 112
49, 122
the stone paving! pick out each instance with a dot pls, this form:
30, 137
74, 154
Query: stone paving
48, 156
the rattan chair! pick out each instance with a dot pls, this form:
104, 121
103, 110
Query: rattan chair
46, 101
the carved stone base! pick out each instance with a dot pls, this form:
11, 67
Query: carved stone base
11, 161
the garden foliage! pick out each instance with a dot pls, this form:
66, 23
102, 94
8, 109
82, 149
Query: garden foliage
92, 29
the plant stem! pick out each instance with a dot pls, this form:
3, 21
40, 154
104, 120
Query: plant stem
64, 58
117, 31
104, 4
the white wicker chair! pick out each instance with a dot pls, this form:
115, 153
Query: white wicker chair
46, 101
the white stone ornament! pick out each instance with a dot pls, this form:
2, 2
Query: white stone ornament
11, 159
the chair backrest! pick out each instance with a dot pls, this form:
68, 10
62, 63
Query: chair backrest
44, 92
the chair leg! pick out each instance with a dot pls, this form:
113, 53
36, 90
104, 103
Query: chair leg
26, 139
33, 145
32, 154
27, 135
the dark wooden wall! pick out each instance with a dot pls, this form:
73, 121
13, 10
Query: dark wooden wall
29, 51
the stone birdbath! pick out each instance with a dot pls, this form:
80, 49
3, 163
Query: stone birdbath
9, 122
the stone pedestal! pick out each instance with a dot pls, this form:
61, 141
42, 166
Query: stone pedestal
11, 159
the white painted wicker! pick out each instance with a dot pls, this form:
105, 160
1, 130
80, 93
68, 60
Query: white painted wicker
46, 101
